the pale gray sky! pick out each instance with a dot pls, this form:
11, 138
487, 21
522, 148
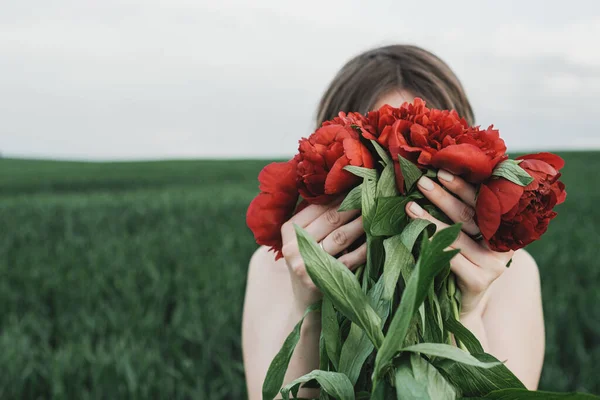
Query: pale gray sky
145, 79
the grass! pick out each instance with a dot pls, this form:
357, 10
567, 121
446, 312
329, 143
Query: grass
126, 280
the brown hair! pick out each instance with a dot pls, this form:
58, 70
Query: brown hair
372, 74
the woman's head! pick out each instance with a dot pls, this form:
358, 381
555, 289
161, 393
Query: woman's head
392, 75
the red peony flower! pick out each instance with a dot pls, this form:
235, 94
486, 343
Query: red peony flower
316, 173
472, 155
274, 205
442, 139
322, 157
511, 216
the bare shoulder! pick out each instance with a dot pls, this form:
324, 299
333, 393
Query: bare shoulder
267, 280
264, 269
267, 302
514, 319
522, 274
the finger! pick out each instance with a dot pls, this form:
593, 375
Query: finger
458, 186
343, 236
304, 218
329, 221
355, 258
450, 205
468, 247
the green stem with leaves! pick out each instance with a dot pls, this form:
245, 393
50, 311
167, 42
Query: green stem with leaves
452, 289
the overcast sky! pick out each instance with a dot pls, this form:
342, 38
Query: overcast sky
146, 79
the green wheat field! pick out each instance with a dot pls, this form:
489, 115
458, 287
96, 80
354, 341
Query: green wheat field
126, 280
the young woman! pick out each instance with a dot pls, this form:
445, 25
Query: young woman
501, 306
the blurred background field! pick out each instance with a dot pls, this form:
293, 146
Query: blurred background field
126, 280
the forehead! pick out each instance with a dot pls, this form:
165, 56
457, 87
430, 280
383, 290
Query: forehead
394, 98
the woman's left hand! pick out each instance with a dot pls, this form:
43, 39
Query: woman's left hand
476, 266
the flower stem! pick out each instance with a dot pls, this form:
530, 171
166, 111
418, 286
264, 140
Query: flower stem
452, 293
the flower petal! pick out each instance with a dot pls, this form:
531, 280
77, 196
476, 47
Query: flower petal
508, 193
538, 166
487, 212
556, 161
265, 216
357, 153
278, 177
338, 179
465, 160
561, 194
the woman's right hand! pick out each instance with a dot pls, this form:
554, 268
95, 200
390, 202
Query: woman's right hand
335, 230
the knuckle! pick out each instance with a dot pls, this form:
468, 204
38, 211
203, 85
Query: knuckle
288, 249
332, 216
298, 268
286, 227
362, 253
498, 266
466, 214
458, 185
339, 237
479, 283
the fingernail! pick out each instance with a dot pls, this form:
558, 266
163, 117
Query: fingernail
445, 175
415, 208
425, 183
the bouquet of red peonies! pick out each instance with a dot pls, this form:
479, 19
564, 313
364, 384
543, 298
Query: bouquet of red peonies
391, 328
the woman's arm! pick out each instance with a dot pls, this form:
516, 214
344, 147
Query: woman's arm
514, 320
270, 314
501, 306
279, 292
503, 309
512, 325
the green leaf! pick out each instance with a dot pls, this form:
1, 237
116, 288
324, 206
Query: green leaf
433, 260
385, 157
437, 214
412, 231
386, 186
397, 259
355, 351
333, 383
390, 215
417, 379
383, 391
450, 352
433, 329
375, 258
365, 173
441, 240
431, 173
330, 330
410, 172
464, 335
475, 381
524, 394
323, 363
323, 357
352, 201
358, 347
340, 285
510, 170
368, 204
279, 365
